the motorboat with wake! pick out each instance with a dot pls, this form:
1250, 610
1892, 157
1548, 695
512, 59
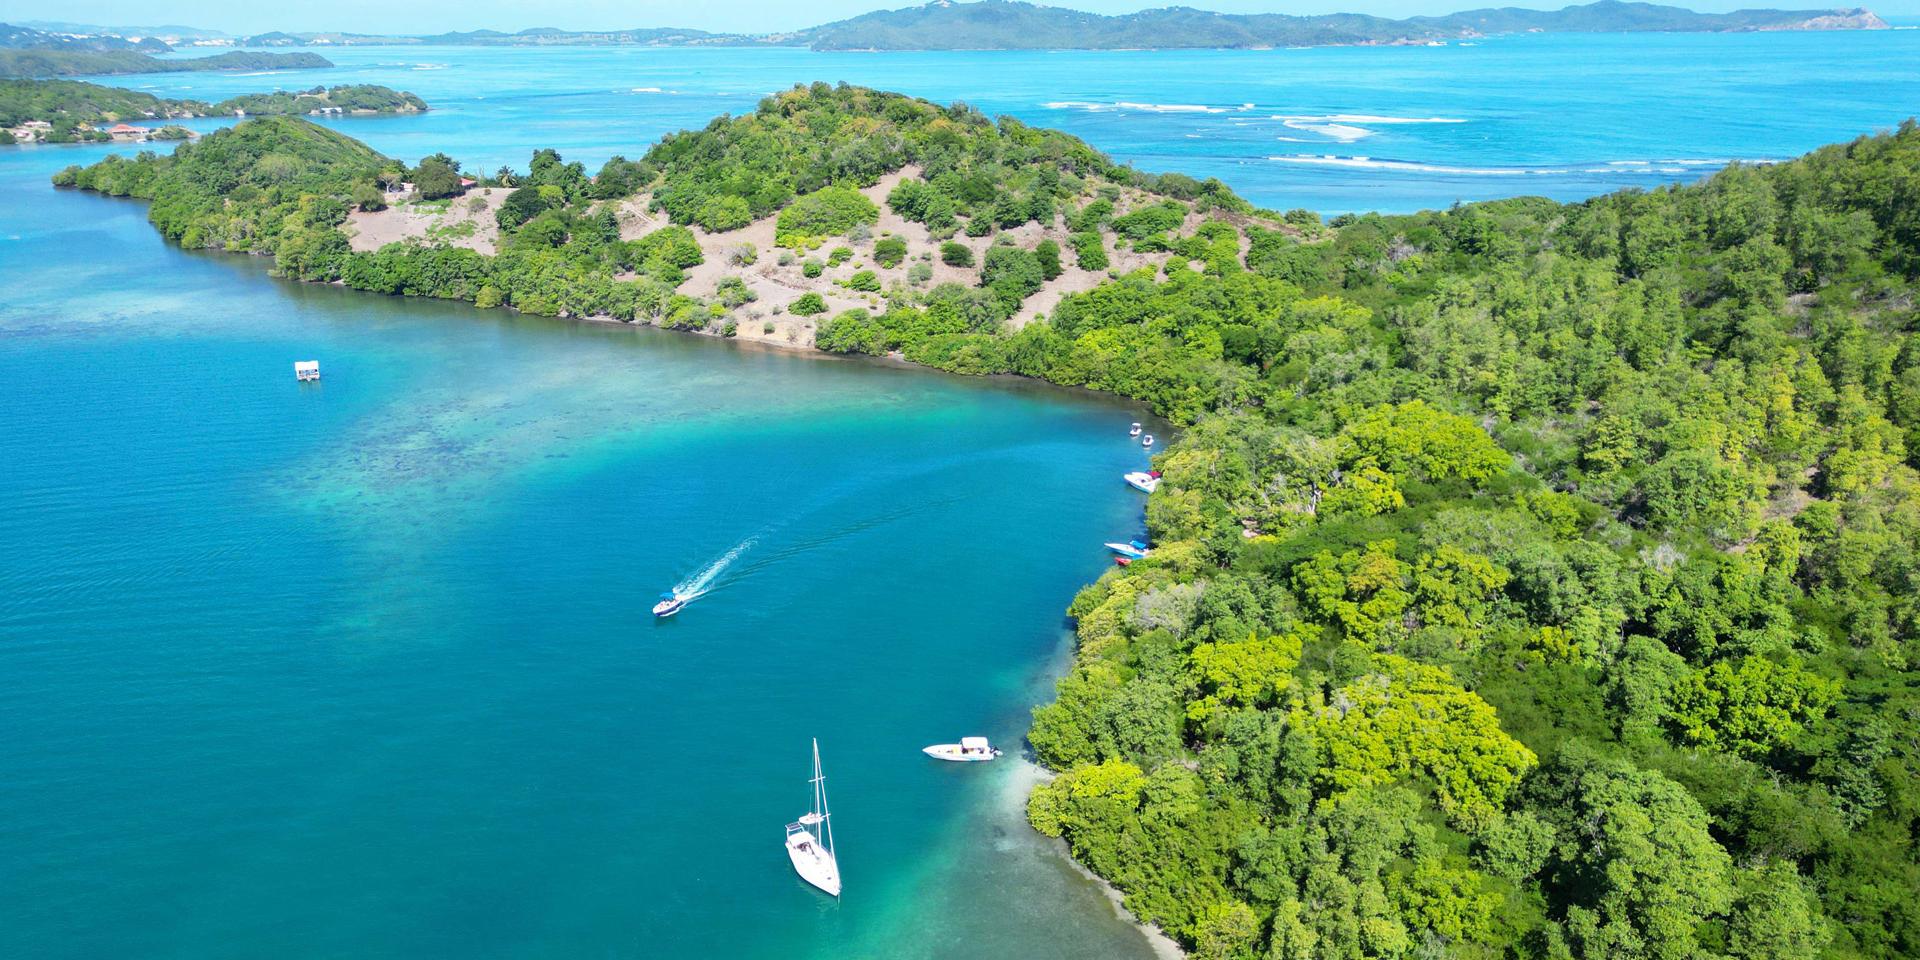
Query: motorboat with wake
968, 750
670, 604
810, 838
1143, 480
1131, 550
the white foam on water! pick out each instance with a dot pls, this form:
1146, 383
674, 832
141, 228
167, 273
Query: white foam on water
698, 584
1368, 163
1092, 107
1361, 118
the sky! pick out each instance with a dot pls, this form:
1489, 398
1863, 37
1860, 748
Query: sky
726, 16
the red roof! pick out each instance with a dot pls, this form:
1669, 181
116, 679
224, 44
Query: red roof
126, 128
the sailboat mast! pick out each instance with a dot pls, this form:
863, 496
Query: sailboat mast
820, 800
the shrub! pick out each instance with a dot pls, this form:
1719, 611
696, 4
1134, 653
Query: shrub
1089, 251
368, 197
812, 268
724, 213
889, 251
733, 292
743, 255
808, 304
1011, 275
865, 281
1047, 254
839, 255
1150, 220
920, 273
826, 212
956, 254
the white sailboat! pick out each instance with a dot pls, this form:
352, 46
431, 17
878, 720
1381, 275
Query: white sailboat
810, 839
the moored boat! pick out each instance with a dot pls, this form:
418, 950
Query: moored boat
1134, 431
1131, 550
810, 838
1143, 480
968, 750
1147, 441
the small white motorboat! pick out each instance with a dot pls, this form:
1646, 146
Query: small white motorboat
1147, 441
810, 839
1132, 549
1134, 431
1143, 480
670, 604
968, 750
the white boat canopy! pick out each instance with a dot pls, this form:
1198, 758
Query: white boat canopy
975, 744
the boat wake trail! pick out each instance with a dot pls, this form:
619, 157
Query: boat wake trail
698, 584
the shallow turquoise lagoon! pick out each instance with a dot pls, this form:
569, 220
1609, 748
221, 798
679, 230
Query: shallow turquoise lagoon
365, 667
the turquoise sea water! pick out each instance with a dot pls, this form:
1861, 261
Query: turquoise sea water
1331, 129
364, 668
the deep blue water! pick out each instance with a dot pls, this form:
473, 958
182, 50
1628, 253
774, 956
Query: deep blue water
1332, 129
364, 668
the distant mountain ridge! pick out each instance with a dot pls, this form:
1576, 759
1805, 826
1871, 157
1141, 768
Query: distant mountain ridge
1014, 24
26, 52
1019, 25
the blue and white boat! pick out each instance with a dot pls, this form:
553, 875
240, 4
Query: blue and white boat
1143, 480
670, 604
968, 750
1132, 549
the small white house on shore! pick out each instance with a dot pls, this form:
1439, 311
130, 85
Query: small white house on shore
306, 369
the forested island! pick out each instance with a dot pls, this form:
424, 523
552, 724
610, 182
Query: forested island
1528, 579
69, 63
66, 111
1018, 25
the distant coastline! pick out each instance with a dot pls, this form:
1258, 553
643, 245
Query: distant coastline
1018, 25
74, 111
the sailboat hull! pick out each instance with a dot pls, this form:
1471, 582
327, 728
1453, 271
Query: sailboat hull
812, 862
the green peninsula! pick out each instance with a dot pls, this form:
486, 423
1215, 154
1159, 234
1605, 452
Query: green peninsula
64, 111
1528, 579
71, 63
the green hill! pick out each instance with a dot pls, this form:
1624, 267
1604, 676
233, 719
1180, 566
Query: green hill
69, 63
1528, 579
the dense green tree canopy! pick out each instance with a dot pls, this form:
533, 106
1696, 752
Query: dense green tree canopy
1528, 579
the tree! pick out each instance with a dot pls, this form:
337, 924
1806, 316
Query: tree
1753, 708
437, 177
522, 205
1776, 918
1635, 866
